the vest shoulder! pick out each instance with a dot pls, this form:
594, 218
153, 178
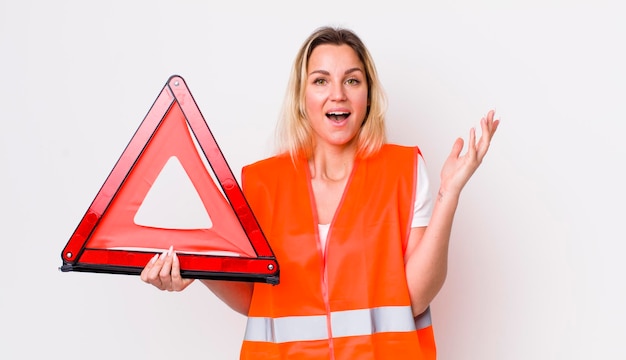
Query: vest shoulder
397, 148
268, 165
395, 152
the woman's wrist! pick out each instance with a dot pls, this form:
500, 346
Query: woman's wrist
448, 194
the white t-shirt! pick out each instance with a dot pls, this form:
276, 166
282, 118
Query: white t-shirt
422, 209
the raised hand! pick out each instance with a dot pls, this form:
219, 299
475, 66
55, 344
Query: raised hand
458, 169
163, 271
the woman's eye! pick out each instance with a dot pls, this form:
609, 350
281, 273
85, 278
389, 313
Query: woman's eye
320, 81
352, 82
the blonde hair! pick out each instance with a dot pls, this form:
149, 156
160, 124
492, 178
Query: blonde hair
294, 132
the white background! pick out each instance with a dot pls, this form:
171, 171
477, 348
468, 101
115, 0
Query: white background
536, 262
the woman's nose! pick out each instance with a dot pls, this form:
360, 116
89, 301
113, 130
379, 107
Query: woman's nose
337, 91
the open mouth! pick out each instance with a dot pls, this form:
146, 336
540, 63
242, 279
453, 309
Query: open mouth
337, 116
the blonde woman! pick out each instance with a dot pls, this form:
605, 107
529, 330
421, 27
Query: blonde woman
360, 238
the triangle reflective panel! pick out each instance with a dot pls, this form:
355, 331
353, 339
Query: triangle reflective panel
173, 187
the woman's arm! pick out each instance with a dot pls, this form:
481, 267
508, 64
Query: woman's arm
426, 257
236, 294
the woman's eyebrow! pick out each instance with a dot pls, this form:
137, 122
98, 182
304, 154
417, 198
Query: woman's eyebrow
324, 72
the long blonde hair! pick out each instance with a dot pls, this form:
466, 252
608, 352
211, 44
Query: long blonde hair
294, 132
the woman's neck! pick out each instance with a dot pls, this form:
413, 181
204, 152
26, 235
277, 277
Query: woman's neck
331, 164
330, 171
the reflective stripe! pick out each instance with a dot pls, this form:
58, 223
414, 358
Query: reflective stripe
423, 320
285, 329
370, 321
343, 323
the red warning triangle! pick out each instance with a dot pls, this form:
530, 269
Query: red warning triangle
171, 165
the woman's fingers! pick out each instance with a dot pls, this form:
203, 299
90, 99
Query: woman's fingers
459, 167
150, 273
178, 282
488, 127
163, 271
146, 270
471, 144
165, 275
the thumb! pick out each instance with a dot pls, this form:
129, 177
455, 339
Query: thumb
456, 148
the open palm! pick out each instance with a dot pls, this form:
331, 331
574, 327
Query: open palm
458, 169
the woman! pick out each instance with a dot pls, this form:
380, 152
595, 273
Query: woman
362, 246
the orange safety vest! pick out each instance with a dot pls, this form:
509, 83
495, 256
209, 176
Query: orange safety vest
353, 302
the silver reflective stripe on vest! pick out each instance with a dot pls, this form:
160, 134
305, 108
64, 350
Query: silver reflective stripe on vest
423, 320
343, 323
285, 329
371, 321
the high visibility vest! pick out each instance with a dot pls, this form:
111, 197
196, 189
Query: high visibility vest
350, 302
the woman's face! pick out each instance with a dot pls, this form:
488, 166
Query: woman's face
336, 96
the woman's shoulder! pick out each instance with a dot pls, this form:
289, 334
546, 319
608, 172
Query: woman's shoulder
271, 167
393, 150
270, 162
271, 170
